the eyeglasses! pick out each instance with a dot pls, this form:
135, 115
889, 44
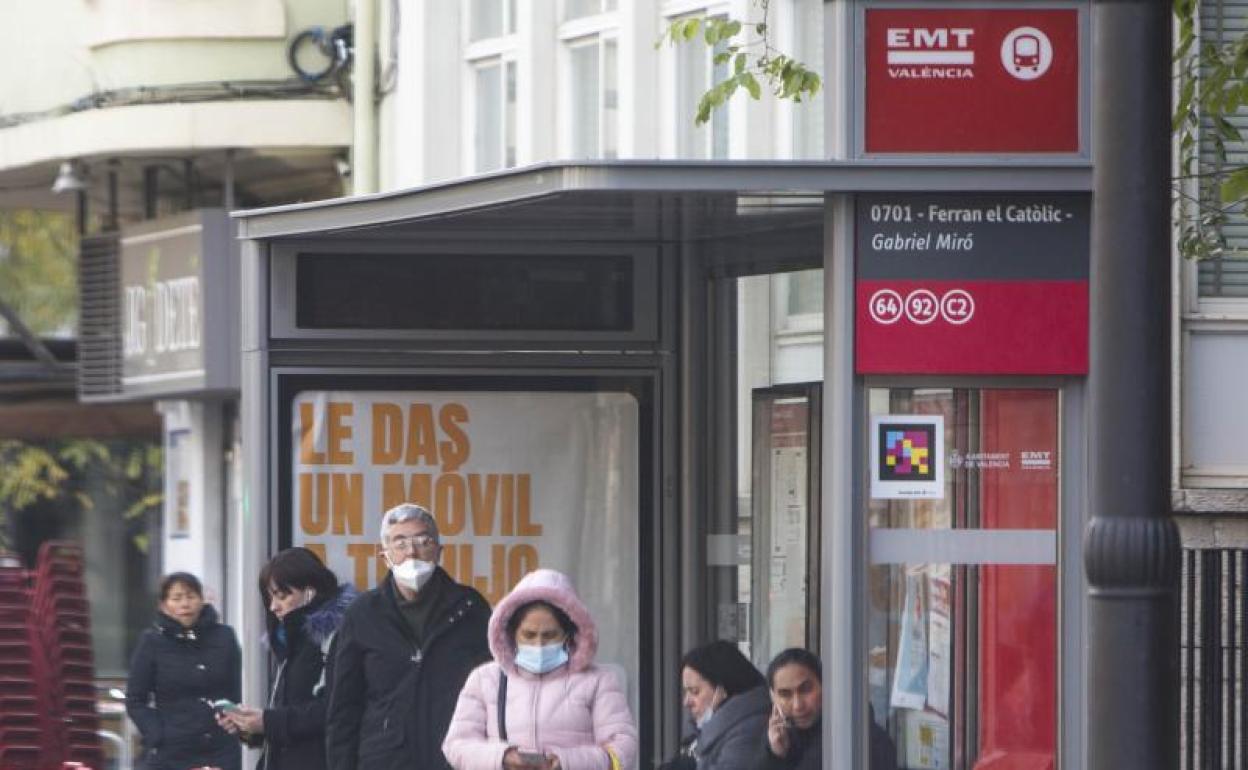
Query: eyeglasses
411, 542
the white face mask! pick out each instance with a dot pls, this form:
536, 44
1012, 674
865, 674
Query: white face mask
710, 710
412, 573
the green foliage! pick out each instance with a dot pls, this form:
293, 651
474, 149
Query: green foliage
1211, 86
752, 60
38, 268
81, 476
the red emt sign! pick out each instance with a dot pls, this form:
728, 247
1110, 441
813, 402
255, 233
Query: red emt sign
971, 283
972, 80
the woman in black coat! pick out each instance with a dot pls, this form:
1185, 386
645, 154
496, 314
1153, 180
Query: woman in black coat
305, 607
187, 660
794, 730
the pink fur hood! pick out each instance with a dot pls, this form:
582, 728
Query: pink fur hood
550, 586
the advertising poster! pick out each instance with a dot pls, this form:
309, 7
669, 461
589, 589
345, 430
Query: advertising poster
516, 481
939, 638
907, 457
177, 485
910, 674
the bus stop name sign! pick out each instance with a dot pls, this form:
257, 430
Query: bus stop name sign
972, 284
972, 80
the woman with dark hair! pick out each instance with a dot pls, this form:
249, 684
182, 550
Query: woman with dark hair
542, 704
727, 699
305, 607
187, 660
794, 731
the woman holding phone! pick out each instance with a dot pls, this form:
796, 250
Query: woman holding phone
542, 703
187, 661
795, 730
305, 608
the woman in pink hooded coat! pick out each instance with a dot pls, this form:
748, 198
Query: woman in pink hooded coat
560, 710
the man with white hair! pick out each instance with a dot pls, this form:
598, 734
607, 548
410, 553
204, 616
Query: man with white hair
402, 654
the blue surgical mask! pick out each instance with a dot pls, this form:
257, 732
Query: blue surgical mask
541, 659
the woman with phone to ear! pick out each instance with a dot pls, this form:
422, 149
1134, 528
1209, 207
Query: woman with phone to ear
185, 662
305, 608
542, 703
795, 730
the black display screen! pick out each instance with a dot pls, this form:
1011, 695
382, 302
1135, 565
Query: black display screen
485, 292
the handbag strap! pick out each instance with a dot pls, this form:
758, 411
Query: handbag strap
502, 705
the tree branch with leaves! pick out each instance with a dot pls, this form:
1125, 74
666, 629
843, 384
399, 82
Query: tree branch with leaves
747, 46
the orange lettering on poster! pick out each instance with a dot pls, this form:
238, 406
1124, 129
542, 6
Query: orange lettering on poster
422, 436
419, 490
387, 433
340, 431
307, 435
314, 503
524, 525
455, 449
449, 495
348, 503
361, 554
483, 497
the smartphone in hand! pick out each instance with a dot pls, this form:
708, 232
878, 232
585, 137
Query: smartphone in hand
533, 758
223, 705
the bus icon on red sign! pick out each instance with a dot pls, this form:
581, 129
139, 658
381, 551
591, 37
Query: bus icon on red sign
1027, 51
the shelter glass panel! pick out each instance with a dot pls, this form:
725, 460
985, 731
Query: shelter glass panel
963, 507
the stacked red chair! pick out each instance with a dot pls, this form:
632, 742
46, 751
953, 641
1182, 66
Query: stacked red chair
23, 738
62, 622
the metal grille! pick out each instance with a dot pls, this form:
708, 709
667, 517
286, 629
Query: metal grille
1214, 658
99, 320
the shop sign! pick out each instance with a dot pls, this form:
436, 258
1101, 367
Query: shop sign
515, 480
972, 284
178, 305
946, 80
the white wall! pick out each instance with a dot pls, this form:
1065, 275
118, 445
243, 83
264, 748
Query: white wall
199, 548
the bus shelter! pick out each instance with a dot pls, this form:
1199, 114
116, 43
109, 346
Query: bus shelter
832, 405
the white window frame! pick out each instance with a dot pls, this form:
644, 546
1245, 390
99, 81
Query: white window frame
597, 30
672, 119
788, 135
498, 51
563, 5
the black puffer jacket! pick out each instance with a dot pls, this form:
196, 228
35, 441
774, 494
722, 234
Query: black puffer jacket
294, 721
183, 669
806, 749
390, 701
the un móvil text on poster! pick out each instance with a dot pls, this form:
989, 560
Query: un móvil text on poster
516, 481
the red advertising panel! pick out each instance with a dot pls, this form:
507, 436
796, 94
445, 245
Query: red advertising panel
1018, 603
963, 81
972, 284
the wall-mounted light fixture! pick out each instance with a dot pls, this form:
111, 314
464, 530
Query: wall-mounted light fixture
68, 179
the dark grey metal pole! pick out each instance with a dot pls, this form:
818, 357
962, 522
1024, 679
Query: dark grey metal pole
1131, 548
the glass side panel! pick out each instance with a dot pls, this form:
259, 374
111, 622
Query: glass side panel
962, 611
781, 533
